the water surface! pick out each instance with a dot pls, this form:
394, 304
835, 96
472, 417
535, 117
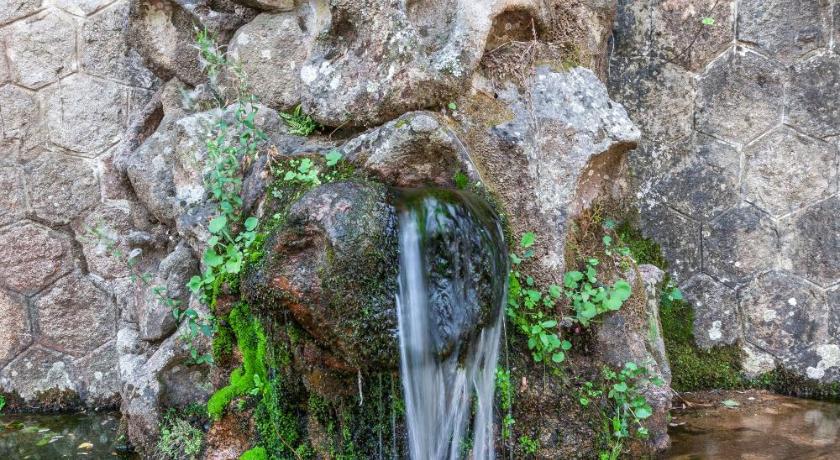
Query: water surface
28, 436
761, 426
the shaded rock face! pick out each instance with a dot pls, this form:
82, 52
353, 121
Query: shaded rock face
736, 173
333, 267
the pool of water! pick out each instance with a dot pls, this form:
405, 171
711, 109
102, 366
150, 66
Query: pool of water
753, 426
26, 436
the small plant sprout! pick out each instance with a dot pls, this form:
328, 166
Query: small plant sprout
298, 122
708, 21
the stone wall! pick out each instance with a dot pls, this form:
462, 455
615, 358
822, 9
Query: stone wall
736, 175
67, 86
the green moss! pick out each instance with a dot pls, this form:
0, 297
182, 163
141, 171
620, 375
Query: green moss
691, 367
257, 453
178, 438
644, 250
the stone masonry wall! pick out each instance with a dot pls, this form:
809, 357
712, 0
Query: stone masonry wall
67, 86
737, 173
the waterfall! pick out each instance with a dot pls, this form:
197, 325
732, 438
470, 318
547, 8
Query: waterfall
452, 289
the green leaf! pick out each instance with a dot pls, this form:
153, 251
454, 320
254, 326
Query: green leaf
554, 291
707, 21
528, 240
452, 106
251, 223
607, 240
558, 357
212, 259
333, 156
620, 387
676, 294
290, 175
566, 345
195, 284
548, 324
570, 279
643, 412
730, 403
622, 290
217, 224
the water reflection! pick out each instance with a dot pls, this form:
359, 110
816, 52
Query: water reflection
764, 427
38, 437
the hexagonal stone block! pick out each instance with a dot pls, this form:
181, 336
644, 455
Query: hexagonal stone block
811, 242
715, 311
42, 49
678, 236
739, 97
681, 36
784, 29
99, 376
101, 233
699, 189
819, 362
61, 187
15, 330
75, 316
810, 105
783, 313
85, 114
33, 256
12, 10
785, 170
38, 370
18, 113
740, 243
105, 53
12, 202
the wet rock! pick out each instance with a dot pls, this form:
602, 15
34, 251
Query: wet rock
333, 266
99, 377
679, 238
155, 319
38, 370
699, 190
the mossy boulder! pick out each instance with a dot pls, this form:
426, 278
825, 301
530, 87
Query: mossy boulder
333, 267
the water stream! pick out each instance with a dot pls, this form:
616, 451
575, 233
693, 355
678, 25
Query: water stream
452, 283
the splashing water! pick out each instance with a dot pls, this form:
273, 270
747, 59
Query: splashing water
453, 273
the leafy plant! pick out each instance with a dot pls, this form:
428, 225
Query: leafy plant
2, 403
588, 297
629, 406
179, 439
505, 392
707, 21
298, 122
531, 309
529, 445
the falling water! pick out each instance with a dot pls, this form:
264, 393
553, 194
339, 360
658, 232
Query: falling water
453, 268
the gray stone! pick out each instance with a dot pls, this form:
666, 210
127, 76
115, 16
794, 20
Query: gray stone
739, 97
154, 318
99, 376
85, 114
37, 370
5, 73
33, 255
414, 150
270, 5
775, 183
782, 314
12, 202
15, 330
19, 112
12, 10
715, 306
105, 53
785, 29
739, 244
42, 49
680, 36
102, 234
75, 316
808, 108
271, 50
698, 189
61, 187
81, 7
679, 237
811, 242
820, 362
